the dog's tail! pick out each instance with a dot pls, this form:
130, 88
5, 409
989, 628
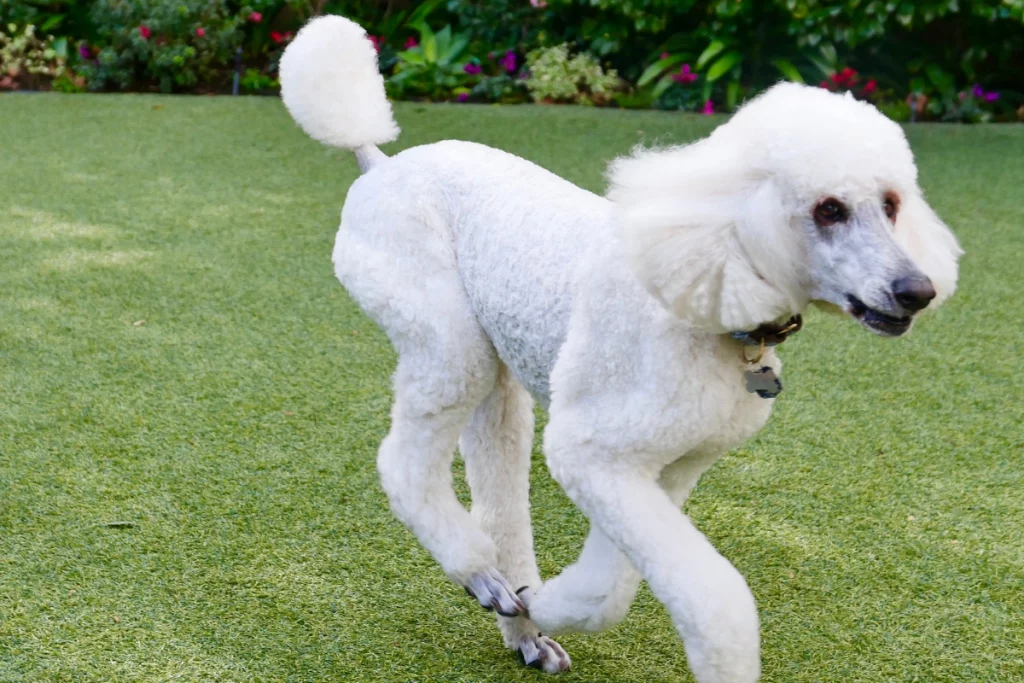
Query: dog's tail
332, 87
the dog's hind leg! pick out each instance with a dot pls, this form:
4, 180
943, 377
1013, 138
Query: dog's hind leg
595, 592
446, 367
496, 447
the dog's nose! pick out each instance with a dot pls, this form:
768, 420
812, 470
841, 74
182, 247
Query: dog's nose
913, 293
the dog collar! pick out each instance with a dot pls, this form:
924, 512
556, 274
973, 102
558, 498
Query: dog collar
769, 334
764, 382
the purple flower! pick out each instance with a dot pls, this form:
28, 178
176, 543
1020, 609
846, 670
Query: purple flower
709, 108
977, 91
991, 96
463, 96
508, 62
471, 68
83, 50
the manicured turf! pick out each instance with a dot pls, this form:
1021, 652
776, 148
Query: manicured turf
191, 408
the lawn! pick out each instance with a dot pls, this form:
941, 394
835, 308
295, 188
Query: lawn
191, 408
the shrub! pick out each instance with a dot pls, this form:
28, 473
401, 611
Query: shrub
177, 44
28, 61
555, 77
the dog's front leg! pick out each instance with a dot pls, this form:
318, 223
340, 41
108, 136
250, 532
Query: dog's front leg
709, 601
595, 592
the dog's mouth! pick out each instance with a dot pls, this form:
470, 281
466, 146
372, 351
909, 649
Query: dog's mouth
877, 321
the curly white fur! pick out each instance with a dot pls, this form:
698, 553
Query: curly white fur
497, 281
332, 88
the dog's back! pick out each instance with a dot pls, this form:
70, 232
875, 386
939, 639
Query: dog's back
515, 233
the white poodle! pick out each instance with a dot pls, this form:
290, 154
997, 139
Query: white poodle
640, 320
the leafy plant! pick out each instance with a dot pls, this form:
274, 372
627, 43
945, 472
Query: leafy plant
28, 61
176, 43
57, 17
725, 62
432, 68
557, 77
254, 80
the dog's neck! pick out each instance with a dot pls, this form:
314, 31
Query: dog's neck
770, 334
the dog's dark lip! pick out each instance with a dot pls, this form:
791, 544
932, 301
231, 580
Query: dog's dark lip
877, 321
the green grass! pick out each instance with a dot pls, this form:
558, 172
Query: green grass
175, 353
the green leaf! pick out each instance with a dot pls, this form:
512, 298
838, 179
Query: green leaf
710, 52
422, 12
787, 69
705, 93
664, 84
732, 94
428, 43
444, 39
939, 78
828, 51
723, 65
60, 48
656, 69
458, 45
51, 22
825, 69
413, 56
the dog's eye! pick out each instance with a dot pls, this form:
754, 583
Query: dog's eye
829, 212
891, 207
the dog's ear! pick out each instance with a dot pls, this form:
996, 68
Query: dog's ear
930, 244
714, 245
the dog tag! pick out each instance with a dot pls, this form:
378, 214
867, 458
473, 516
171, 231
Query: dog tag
764, 382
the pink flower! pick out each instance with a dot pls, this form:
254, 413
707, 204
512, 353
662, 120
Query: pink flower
870, 87
255, 17
377, 41
685, 75
826, 85
708, 109
463, 96
471, 68
540, 4
145, 32
276, 37
410, 43
664, 55
200, 32
844, 78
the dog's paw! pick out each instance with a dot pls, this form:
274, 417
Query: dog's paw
540, 652
492, 591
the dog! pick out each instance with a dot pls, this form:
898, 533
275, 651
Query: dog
643, 321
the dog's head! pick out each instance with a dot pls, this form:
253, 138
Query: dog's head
802, 196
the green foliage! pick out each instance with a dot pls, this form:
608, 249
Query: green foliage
431, 69
57, 17
736, 47
501, 88
28, 61
557, 77
254, 80
500, 24
175, 43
